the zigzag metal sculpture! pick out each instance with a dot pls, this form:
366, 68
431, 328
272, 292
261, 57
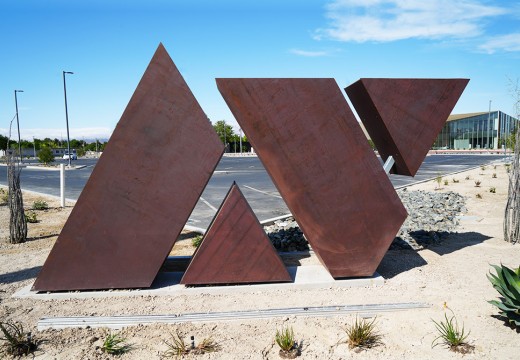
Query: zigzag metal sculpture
141, 191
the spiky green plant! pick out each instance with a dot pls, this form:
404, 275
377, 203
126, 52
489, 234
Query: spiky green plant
114, 344
450, 334
40, 205
363, 334
206, 346
507, 283
195, 242
31, 217
285, 338
177, 348
17, 342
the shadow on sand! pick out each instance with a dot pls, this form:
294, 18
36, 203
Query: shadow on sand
398, 261
19, 275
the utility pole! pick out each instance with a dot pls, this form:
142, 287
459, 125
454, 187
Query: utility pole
18, 124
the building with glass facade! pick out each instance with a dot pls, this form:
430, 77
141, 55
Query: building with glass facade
483, 130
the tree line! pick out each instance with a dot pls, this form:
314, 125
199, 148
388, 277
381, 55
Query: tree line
81, 146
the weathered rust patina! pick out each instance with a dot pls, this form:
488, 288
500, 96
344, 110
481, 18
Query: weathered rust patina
404, 116
141, 192
321, 163
235, 249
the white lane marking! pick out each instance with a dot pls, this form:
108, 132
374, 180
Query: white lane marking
37, 177
263, 192
207, 203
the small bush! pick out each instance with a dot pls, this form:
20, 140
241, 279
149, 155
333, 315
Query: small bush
482, 167
494, 176
362, 334
40, 205
455, 180
446, 182
493, 190
438, 180
177, 348
4, 197
45, 156
477, 183
451, 336
114, 344
31, 217
508, 167
16, 341
479, 196
207, 345
285, 338
467, 177
494, 167
195, 242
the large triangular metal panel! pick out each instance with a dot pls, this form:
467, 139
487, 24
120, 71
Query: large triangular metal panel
143, 189
235, 249
313, 148
404, 116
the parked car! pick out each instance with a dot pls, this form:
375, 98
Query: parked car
73, 156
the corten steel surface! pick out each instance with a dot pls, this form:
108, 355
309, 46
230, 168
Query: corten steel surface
317, 156
141, 191
404, 116
235, 249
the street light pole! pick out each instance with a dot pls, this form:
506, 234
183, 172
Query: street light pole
18, 124
67, 114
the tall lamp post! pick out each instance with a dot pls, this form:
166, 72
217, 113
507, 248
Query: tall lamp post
67, 114
18, 124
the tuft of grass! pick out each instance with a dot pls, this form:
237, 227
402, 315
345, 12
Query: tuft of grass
479, 196
114, 344
494, 176
494, 167
196, 241
285, 338
363, 334
446, 182
455, 180
450, 334
482, 167
208, 345
40, 205
477, 183
16, 341
438, 180
508, 167
177, 347
467, 177
493, 189
31, 217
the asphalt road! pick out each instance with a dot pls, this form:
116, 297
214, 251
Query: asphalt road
249, 174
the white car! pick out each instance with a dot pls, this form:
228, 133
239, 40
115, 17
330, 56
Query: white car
72, 157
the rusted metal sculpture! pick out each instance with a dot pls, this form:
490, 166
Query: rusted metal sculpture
317, 156
404, 116
141, 191
235, 249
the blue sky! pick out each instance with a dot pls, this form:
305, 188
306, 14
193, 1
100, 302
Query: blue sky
108, 44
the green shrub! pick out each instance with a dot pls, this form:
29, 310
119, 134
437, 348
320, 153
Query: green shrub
450, 335
494, 176
362, 334
196, 241
493, 189
31, 217
285, 338
114, 344
4, 197
507, 283
45, 156
40, 205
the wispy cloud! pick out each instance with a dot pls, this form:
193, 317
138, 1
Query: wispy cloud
391, 20
307, 53
79, 133
509, 42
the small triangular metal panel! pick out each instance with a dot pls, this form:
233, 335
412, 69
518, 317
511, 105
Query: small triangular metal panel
235, 249
141, 192
404, 116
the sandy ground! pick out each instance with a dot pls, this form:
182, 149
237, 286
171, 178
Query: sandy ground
452, 272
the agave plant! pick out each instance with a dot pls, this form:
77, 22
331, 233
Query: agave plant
507, 283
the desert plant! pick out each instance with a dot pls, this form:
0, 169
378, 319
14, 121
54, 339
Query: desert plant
45, 156
455, 180
494, 176
4, 197
17, 342
363, 334
446, 182
40, 205
507, 283
482, 167
438, 180
196, 241
31, 217
177, 348
114, 344
450, 334
493, 189
477, 183
285, 340
508, 167
467, 177
494, 167
478, 196
207, 345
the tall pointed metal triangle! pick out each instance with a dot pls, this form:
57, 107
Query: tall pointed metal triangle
235, 249
141, 191
404, 116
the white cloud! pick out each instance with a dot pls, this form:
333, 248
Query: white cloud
509, 42
390, 20
78, 133
308, 53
